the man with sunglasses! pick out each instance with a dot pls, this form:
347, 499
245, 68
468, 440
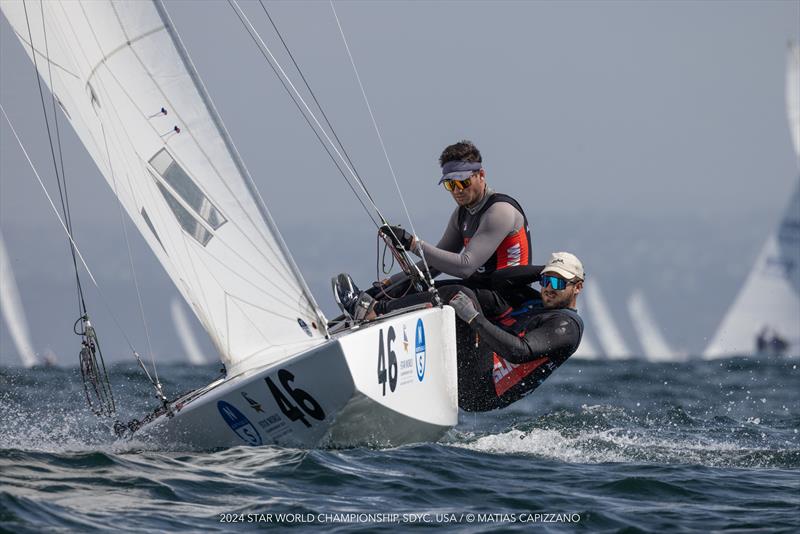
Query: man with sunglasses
517, 353
487, 231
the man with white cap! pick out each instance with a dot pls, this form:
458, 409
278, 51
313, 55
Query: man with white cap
518, 354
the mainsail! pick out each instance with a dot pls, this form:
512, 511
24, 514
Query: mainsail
11, 310
130, 91
654, 346
767, 308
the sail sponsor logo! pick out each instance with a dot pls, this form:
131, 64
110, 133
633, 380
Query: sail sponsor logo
239, 423
419, 350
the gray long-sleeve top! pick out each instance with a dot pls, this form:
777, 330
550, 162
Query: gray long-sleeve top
450, 256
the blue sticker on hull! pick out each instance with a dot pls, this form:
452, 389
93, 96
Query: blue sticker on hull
419, 350
239, 423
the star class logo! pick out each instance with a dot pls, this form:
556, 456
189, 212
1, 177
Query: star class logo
253, 404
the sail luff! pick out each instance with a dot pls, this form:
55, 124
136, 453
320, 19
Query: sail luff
262, 207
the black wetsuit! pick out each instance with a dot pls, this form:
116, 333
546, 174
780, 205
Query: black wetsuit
514, 357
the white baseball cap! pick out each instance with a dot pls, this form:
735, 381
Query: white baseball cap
565, 264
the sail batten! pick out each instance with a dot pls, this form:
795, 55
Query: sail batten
140, 108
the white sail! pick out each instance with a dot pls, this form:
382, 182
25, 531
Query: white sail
184, 330
12, 311
655, 347
128, 87
586, 350
793, 95
769, 301
768, 305
611, 339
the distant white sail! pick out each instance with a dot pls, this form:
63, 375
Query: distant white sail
793, 95
655, 347
770, 298
131, 93
12, 311
611, 339
768, 305
586, 350
184, 330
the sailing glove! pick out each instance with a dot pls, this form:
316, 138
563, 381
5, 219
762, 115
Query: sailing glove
464, 307
398, 234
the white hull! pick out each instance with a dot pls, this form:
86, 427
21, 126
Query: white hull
332, 395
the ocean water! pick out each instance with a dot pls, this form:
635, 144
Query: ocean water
602, 446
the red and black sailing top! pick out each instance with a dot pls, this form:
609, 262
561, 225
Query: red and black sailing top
513, 250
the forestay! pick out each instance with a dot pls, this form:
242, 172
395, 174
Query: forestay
124, 80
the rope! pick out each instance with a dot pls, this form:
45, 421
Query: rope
296, 96
59, 177
130, 261
380, 139
77, 249
274, 62
256, 39
311, 92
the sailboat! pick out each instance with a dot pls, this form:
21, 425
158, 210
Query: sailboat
184, 330
126, 83
12, 311
765, 316
613, 344
654, 345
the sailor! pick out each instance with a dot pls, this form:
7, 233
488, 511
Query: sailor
487, 231
515, 355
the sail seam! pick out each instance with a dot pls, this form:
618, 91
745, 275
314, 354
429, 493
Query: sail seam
121, 47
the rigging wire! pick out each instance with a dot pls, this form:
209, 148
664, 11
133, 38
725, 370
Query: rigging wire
314, 96
383, 146
90, 341
130, 260
78, 250
62, 191
296, 96
274, 62
255, 37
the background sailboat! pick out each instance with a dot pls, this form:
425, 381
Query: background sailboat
768, 305
609, 335
654, 345
183, 328
12, 310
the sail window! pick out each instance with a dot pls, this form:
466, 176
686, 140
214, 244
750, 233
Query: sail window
149, 223
174, 175
190, 225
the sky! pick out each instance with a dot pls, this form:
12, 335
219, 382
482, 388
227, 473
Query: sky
648, 138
